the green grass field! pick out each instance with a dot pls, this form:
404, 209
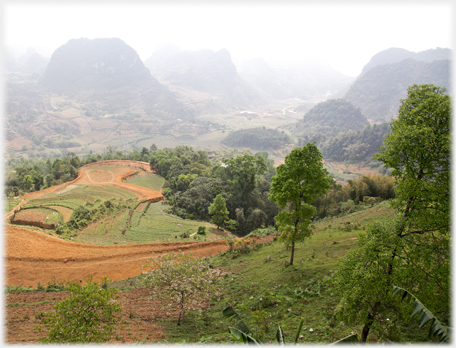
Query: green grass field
146, 226
154, 226
82, 194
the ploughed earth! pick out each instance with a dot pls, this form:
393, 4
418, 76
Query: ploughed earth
33, 257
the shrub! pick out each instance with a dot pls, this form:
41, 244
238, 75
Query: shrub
184, 235
202, 230
88, 315
182, 279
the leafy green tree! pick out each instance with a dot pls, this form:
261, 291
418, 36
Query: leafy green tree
27, 182
218, 211
363, 278
88, 315
414, 252
181, 279
153, 148
418, 149
298, 183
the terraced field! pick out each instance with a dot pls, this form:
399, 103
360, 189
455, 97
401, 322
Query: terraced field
114, 245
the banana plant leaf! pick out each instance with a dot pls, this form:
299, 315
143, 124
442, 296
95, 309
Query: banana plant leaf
437, 331
241, 336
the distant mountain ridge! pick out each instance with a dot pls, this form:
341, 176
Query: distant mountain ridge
205, 71
328, 119
395, 55
98, 63
29, 63
378, 92
110, 73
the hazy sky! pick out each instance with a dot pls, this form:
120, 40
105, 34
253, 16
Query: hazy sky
346, 34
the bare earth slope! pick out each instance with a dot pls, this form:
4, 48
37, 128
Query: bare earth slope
33, 257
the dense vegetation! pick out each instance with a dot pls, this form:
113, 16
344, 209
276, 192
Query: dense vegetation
193, 183
353, 146
260, 138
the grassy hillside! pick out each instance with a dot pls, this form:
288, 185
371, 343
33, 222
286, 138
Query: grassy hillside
265, 292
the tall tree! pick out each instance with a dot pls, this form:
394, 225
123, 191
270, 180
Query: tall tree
218, 210
298, 183
414, 251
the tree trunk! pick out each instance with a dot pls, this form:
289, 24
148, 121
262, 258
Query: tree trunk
181, 308
292, 253
324, 207
369, 322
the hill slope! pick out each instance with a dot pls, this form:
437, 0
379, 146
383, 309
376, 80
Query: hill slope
395, 55
379, 91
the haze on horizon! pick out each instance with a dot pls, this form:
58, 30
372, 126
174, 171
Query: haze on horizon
344, 35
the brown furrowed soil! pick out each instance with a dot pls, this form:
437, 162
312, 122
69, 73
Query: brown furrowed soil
30, 215
140, 316
88, 175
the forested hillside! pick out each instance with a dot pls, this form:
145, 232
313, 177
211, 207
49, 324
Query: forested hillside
328, 119
193, 183
354, 146
260, 138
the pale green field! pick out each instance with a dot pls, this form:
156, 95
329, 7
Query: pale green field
153, 226
150, 180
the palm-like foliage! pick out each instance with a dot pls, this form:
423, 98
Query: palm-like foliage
438, 332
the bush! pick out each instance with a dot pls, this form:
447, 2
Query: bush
184, 235
202, 230
183, 280
88, 315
